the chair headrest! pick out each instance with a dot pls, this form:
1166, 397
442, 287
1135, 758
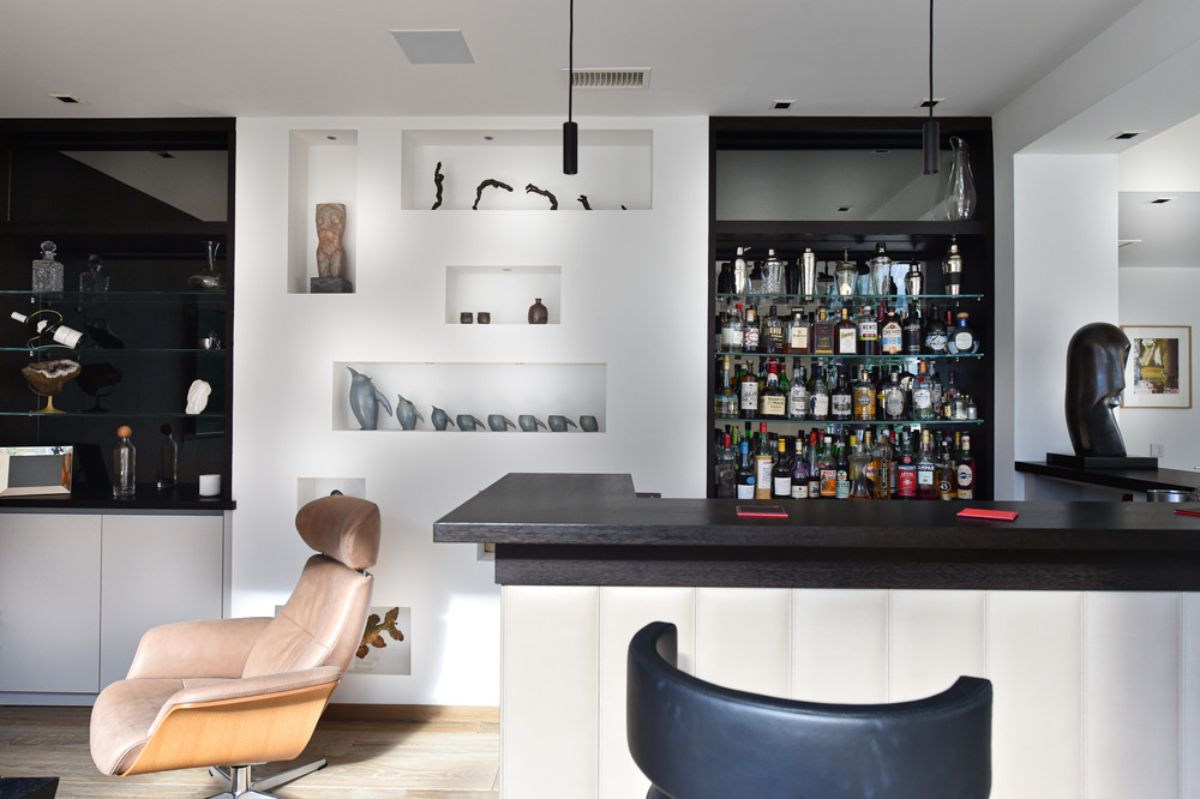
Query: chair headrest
344, 528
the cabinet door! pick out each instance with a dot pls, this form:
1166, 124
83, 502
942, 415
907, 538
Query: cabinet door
49, 602
157, 570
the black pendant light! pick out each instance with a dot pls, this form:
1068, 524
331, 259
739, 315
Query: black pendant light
570, 129
929, 131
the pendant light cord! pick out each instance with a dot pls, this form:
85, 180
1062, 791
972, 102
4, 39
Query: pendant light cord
930, 58
571, 61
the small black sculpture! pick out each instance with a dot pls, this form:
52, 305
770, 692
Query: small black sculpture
623, 208
532, 189
584, 202
438, 177
489, 183
1095, 379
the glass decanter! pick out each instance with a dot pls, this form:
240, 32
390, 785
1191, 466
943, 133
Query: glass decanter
961, 197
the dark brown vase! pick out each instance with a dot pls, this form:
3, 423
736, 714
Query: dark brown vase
538, 315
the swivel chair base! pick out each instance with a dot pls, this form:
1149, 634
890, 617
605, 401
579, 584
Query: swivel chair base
242, 784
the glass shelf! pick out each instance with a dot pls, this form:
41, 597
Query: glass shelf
870, 358
92, 298
60, 351
114, 415
854, 422
854, 299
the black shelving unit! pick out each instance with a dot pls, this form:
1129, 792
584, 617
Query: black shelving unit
917, 239
56, 190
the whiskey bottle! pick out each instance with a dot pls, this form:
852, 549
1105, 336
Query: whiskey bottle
891, 336
881, 467
893, 398
922, 395
965, 470
773, 332
823, 335
745, 474
864, 397
926, 468
798, 396
772, 401
819, 402
962, 338
847, 335
748, 394
731, 330
798, 333
751, 334
868, 332
781, 475
828, 469
840, 399
763, 464
947, 481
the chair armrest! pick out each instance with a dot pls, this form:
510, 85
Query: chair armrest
193, 649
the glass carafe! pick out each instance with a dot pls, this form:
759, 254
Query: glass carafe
961, 198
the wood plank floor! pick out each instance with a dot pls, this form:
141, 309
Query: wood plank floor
390, 760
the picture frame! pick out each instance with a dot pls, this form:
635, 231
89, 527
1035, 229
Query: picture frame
1158, 373
36, 471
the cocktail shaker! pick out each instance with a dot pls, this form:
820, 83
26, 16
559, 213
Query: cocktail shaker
952, 268
808, 273
881, 270
914, 281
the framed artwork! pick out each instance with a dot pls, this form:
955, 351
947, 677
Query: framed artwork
1159, 371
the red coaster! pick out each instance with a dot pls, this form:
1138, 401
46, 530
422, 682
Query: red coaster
990, 515
761, 512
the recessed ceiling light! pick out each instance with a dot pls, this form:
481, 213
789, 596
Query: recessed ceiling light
927, 103
165, 154
882, 151
331, 137
782, 105
488, 138
434, 47
1129, 134
1161, 201
844, 208
65, 98
1126, 242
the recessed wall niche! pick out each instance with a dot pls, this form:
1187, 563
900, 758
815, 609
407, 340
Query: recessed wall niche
505, 292
615, 169
568, 391
322, 168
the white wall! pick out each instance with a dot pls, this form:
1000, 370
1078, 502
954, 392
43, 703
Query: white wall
1163, 296
631, 281
1065, 276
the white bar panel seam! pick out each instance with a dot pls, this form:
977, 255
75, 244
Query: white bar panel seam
599, 682
887, 648
1181, 702
791, 647
1083, 673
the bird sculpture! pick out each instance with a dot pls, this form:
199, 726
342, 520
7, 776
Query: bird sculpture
500, 423
407, 413
365, 400
440, 418
467, 422
530, 423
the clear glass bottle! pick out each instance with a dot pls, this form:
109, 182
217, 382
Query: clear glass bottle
893, 398
47, 271
168, 459
819, 405
798, 336
764, 464
961, 197
124, 464
772, 281
798, 397
862, 485
751, 334
731, 332
841, 401
864, 397
843, 471
726, 470
922, 394
926, 468
881, 270
799, 470
846, 275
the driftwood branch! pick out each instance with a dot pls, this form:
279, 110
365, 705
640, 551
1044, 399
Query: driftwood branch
438, 177
583, 200
488, 184
532, 189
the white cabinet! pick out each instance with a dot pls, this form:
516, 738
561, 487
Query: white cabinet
155, 570
78, 590
49, 602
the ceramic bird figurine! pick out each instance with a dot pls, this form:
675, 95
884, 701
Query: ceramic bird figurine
559, 424
500, 423
365, 400
467, 422
440, 418
407, 413
530, 423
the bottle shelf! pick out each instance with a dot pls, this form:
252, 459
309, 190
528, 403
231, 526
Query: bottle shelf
61, 351
101, 297
855, 422
111, 414
845, 299
974, 356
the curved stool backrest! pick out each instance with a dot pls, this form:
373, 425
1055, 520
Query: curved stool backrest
696, 740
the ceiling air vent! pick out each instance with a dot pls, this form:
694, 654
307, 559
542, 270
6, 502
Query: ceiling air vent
611, 78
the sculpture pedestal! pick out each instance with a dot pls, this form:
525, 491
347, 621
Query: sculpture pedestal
1100, 461
330, 285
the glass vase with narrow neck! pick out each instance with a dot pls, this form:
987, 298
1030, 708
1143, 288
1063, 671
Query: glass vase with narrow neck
961, 197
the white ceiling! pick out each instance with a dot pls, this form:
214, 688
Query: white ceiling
300, 57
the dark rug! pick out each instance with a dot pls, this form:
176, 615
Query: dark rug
28, 787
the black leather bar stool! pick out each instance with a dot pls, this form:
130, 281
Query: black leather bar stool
696, 740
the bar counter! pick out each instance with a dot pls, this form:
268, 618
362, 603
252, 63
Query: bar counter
594, 529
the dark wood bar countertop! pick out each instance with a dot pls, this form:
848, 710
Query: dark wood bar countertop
593, 529
1125, 479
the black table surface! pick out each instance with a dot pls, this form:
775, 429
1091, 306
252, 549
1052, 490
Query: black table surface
594, 529
182, 498
1126, 479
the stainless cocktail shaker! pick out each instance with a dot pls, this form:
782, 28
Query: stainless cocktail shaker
952, 268
808, 273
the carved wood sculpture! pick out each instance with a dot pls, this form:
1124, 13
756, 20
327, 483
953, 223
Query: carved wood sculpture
438, 177
532, 189
331, 223
488, 184
583, 200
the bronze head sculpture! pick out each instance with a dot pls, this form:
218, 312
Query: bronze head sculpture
1095, 379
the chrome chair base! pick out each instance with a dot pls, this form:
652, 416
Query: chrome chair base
242, 784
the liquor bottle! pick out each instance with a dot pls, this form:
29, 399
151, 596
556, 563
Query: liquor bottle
965, 470
893, 398
53, 330
745, 474
828, 469
842, 490
947, 480
773, 332
926, 468
823, 340
912, 330
798, 397
868, 332
799, 332
751, 334
727, 402
906, 469
841, 401
847, 335
168, 459
864, 397
124, 464
949, 397
891, 335
862, 475
763, 464
731, 330
935, 334
781, 475
819, 403
726, 470
772, 403
725, 283
963, 340
748, 394
922, 395
799, 469
741, 277
814, 469
894, 455
881, 466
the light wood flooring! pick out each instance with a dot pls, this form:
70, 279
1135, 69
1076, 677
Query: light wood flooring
386, 759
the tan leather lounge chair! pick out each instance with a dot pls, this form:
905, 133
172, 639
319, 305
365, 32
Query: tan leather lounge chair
237, 692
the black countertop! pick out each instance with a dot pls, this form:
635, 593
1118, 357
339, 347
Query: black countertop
184, 498
1125, 479
586, 529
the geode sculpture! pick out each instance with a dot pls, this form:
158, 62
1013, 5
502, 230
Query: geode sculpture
47, 379
331, 253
